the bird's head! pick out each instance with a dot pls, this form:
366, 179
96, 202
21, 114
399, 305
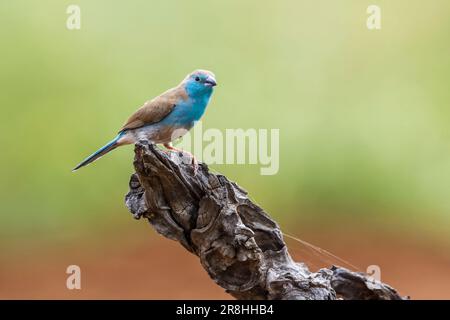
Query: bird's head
199, 82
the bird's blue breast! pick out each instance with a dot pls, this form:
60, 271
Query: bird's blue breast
183, 116
188, 111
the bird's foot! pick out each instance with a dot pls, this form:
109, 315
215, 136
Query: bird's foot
170, 147
184, 155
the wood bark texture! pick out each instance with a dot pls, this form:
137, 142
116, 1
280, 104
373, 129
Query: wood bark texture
239, 245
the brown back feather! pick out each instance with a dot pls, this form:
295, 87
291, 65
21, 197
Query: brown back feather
156, 109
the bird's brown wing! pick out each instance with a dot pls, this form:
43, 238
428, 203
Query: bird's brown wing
155, 110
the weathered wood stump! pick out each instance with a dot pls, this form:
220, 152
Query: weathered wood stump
238, 244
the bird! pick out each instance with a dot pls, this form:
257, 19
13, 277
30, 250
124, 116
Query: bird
166, 117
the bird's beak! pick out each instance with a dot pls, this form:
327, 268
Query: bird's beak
210, 81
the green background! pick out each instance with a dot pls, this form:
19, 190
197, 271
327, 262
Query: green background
363, 115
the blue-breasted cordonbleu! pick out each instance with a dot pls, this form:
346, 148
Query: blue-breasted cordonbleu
166, 117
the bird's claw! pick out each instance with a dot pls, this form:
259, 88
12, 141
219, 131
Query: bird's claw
182, 154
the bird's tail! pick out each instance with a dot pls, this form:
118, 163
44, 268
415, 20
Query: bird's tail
100, 152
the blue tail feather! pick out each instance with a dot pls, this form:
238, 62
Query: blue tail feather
100, 152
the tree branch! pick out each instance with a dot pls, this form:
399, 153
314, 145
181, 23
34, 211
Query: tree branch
238, 244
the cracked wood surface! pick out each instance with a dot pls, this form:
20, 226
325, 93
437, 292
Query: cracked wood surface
237, 242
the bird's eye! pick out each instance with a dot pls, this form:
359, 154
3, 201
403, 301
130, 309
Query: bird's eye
197, 79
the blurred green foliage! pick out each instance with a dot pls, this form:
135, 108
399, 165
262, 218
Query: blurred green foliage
364, 115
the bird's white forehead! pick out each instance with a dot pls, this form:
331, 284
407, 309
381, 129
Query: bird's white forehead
204, 72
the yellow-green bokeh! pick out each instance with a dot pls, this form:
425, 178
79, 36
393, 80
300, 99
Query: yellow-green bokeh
363, 115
